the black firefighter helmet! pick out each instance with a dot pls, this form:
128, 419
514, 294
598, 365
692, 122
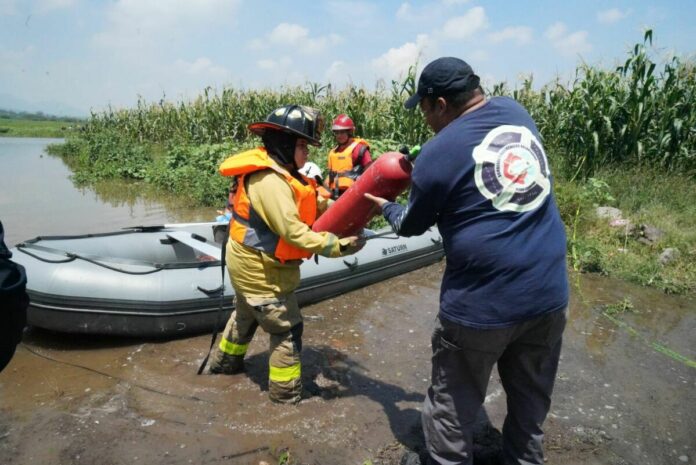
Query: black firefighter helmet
301, 121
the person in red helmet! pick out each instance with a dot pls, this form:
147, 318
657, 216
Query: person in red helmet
349, 158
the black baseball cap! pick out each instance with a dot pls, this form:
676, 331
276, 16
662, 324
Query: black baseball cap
444, 76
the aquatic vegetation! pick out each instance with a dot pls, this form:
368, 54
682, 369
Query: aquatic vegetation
624, 306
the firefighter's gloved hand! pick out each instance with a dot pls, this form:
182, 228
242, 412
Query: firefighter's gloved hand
355, 172
351, 244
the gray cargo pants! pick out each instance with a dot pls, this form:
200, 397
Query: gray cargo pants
527, 355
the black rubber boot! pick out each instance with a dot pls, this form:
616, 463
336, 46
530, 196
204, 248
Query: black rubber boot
227, 364
410, 458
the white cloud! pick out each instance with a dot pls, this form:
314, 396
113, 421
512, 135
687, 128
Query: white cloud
477, 56
15, 62
341, 74
271, 65
396, 61
405, 12
424, 13
8, 7
462, 27
288, 33
295, 78
556, 31
158, 15
518, 34
266, 63
296, 37
46, 6
257, 44
568, 44
202, 66
612, 15
41, 85
279, 73
134, 26
337, 73
144, 49
356, 13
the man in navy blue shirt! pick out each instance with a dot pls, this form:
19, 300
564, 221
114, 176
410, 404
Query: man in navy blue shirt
484, 179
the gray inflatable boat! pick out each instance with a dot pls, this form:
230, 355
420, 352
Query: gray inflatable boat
165, 281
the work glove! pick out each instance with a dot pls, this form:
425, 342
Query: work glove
352, 244
355, 173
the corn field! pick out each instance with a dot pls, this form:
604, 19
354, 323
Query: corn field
636, 115
223, 117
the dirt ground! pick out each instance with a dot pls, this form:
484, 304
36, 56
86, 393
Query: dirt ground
625, 392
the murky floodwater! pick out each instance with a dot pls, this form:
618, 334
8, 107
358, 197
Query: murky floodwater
626, 389
37, 197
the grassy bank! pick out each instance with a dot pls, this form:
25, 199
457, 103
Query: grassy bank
31, 128
664, 201
623, 138
14, 124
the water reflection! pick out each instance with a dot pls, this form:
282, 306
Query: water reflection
119, 193
655, 319
38, 197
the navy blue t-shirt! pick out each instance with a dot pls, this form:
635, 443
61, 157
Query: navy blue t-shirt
485, 180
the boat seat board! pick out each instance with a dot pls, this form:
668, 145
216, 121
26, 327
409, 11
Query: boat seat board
188, 239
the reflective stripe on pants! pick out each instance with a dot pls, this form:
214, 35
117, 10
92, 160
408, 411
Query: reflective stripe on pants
284, 374
230, 348
280, 317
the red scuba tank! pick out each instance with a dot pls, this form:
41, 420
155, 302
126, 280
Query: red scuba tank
386, 177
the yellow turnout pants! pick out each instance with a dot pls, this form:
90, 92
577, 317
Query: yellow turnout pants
280, 317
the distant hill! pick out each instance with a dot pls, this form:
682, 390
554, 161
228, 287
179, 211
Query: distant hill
21, 105
37, 116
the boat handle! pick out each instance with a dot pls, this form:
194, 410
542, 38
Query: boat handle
211, 292
350, 265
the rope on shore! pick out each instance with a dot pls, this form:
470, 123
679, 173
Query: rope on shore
116, 378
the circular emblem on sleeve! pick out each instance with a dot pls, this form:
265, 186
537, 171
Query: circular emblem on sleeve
511, 169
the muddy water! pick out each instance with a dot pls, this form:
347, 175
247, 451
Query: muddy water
625, 392
621, 397
37, 197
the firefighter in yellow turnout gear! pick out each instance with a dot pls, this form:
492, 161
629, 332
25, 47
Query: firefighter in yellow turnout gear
270, 233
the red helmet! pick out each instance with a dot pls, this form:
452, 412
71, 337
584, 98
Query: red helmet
343, 122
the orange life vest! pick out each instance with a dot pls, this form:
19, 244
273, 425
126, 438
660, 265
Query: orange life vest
341, 162
247, 227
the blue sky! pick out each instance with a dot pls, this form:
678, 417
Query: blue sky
70, 56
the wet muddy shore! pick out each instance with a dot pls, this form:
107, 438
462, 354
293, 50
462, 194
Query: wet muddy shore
625, 392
